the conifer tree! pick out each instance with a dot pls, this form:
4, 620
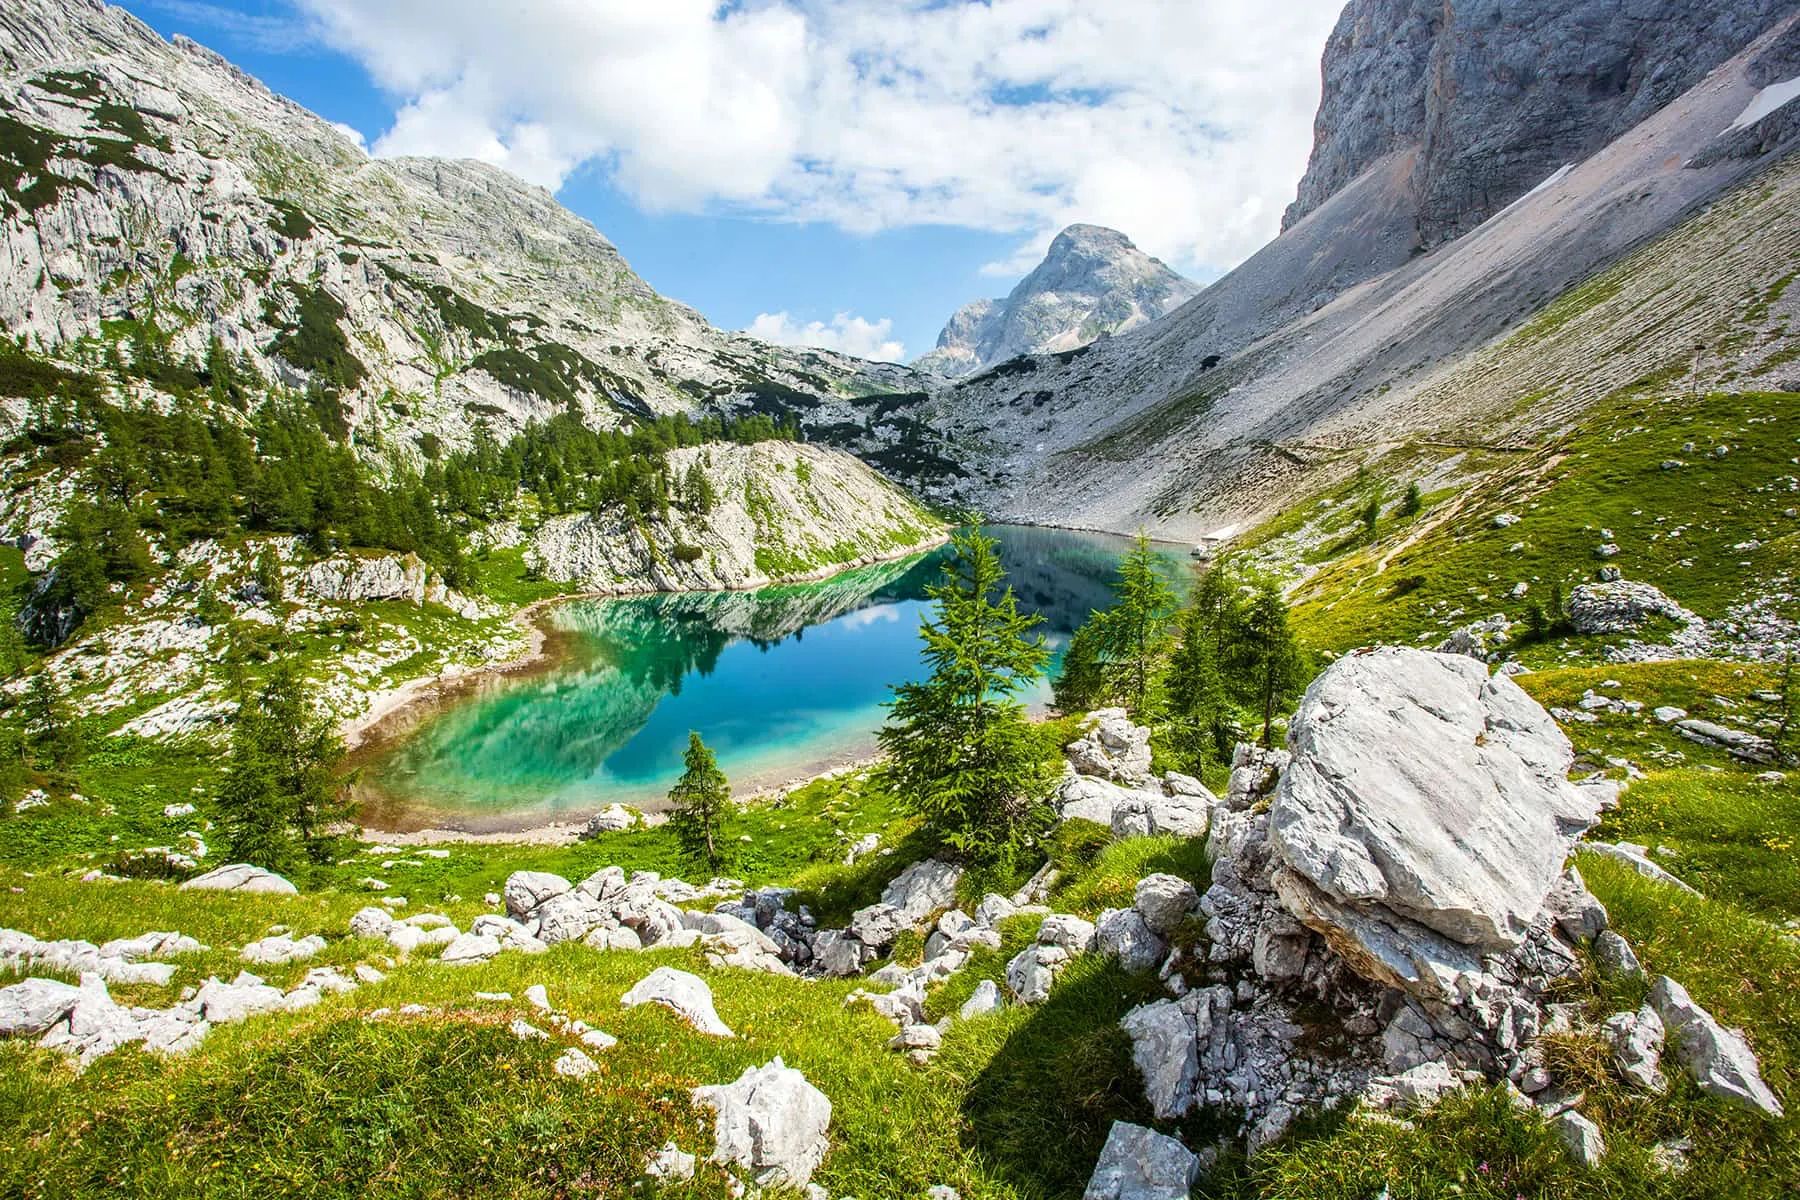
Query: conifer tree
700, 802
1414, 501
51, 739
961, 752
1080, 683
1135, 630
1273, 665
281, 795
1199, 698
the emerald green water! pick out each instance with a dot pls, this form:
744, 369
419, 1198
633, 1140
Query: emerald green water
781, 683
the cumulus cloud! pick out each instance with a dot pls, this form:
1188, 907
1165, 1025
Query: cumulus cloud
1185, 125
844, 333
353, 133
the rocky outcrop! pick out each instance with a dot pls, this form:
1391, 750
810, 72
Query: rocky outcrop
1490, 98
1092, 283
770, 1124
241, 877
1425, 816
784, 511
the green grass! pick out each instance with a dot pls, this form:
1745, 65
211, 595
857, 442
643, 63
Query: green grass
1678, 529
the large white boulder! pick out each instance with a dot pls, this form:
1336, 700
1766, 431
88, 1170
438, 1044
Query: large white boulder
1141, 1164
240, 877
682, 993
923, 889
770, 1123
525, 890
1425, 815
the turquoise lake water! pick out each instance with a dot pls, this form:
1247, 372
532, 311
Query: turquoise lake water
780, 682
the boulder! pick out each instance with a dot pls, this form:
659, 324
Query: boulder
240, 877
614, 818
1141, 1164
1620, 606
282, 948
1163, 1047
33, 1006
1424, 817
1111, 747
566, 917
1614, 957
1122, 933
993, 909
246, 996
770, 1123
1637, 1043
1149, 813
838, 952
1069, 932
525, 890
1416, 1088
1580, 1137
371, 922
984, 999
1085, 798
1719, 1059
1032, 971
469, 949
685, 994
1165, 901
878, 924
922, 889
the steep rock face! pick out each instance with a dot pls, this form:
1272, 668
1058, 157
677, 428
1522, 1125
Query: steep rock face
783, 511
1491, 97
153, 188
1347, 331
1093, 282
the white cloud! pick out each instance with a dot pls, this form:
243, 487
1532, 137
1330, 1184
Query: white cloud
353, 133
844, 333
1184, 124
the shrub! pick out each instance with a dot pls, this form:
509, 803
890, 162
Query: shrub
687, 553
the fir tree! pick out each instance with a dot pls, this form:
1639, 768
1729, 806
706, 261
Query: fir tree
700, 802
51, 739
961, 752
1414, 501
1135, 630
281, 795
1371, 517
1272, 662
266, 572
1198, 697
1080, 684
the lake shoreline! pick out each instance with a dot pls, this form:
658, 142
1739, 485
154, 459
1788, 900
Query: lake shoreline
393, 713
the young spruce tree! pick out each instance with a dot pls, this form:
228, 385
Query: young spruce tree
1199, 700
1274, 667
699, 803
961, 752
1136, 629
281, 794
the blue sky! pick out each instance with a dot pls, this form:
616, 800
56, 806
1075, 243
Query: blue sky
834, 172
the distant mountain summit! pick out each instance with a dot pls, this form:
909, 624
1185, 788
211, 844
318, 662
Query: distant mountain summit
1093, 281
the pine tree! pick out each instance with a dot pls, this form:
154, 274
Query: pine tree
1080, 684
1273, 665
700, 802
51, 739
1136, 628
1414, 502
281, 795
1199, 700
1371, 516
961, 752
697, 495
267, 574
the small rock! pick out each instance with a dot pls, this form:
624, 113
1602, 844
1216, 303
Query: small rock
1580, 1137
1141, 1164
573, 1064
771, 1123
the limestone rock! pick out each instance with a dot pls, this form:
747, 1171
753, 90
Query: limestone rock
34, 1005
683, 993
670, 1165
984, 999
526, 890
922, 889
573, 1064
1637, 1044
1112, 747
1141, 1164
1151, 813
1620, 607
240, 877
1614, 957
771, 1123
1122, 933
1719, 1059
1069, 932
470, 949
1580, 1137
1031, 972
614, 818
282, 948
1425, 815
1163, 1047
1165, 901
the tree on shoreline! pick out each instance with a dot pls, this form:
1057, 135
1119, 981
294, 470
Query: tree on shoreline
700, 800
281, 796
961, 751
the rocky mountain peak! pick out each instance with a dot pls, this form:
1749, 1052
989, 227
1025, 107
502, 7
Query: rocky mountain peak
1092, 282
